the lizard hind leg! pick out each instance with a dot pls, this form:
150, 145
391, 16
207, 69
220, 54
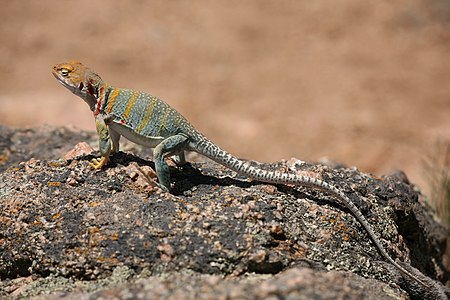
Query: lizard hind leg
173, 145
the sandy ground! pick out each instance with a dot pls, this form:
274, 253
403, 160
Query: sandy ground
363, 83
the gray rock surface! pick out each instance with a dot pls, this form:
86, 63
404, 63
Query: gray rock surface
75, 233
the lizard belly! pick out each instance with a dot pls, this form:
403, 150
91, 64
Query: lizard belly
130, 134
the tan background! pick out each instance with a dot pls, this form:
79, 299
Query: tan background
366, 83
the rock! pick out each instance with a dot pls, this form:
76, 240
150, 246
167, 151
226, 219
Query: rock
80, 149
68, 227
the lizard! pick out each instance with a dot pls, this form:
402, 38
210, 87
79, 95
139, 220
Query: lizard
149, 121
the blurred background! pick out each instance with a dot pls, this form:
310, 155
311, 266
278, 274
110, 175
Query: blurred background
363, 83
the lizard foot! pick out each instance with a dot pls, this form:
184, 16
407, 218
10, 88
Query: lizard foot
98, 163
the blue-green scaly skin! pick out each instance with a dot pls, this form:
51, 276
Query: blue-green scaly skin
148, 116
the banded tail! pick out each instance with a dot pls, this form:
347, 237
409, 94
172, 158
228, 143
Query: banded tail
214, 152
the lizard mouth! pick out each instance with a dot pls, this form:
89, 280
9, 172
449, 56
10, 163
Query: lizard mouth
73, 89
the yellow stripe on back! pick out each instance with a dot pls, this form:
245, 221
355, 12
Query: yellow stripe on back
130, 105
148, 114
112, 99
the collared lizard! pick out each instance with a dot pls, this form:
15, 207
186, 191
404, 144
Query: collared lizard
149, 121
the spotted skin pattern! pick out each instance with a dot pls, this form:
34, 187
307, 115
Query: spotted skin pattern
149, 121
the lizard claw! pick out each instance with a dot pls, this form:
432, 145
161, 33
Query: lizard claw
98, 163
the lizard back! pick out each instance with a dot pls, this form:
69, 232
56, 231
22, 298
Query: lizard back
143, 113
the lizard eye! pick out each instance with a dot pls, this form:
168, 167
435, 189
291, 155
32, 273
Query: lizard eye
64, 72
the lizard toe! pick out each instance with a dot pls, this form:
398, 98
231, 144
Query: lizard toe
98, 163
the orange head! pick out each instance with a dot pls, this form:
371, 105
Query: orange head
80, 80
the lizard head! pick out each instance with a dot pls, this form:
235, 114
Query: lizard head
79, 79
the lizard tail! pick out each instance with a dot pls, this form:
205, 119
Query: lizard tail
214, 152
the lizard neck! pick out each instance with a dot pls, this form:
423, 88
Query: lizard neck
90, 100
91, 90
92, 93
101, 96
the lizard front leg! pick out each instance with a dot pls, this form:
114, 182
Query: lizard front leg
104, 142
